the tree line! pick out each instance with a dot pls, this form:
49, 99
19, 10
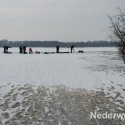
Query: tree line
55, 43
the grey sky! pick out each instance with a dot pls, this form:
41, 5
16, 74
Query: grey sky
63, 20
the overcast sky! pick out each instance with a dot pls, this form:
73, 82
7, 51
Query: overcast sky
63, 20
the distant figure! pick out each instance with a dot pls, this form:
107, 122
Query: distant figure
57, 49
5, 49
72, 48
30, 50
37, 52
20, 49
24, 49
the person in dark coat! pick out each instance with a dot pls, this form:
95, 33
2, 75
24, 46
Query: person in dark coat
72, 48
21, 49
57, 49
24, 49
5, 49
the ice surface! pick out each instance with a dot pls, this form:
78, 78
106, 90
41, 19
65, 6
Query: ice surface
100, 71
91, 69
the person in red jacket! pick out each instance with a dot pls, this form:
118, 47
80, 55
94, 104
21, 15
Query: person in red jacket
30, 50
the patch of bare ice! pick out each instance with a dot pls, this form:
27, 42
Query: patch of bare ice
59, 105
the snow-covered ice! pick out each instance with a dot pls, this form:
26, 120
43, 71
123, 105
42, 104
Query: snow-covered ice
96, 76
91, 69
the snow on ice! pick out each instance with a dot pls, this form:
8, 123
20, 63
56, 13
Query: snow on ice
97, 79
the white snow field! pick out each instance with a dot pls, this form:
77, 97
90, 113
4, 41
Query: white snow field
33, 92
89, 70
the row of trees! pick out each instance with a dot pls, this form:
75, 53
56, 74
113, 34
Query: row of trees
55, 43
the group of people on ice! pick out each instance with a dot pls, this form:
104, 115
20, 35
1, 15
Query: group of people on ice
22, 50
72, 49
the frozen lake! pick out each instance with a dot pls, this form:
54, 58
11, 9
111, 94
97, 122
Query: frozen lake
90, 70
27, 96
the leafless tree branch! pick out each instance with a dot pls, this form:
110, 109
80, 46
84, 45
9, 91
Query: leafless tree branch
117, 28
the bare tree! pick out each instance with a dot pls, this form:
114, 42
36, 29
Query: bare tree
117, 27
